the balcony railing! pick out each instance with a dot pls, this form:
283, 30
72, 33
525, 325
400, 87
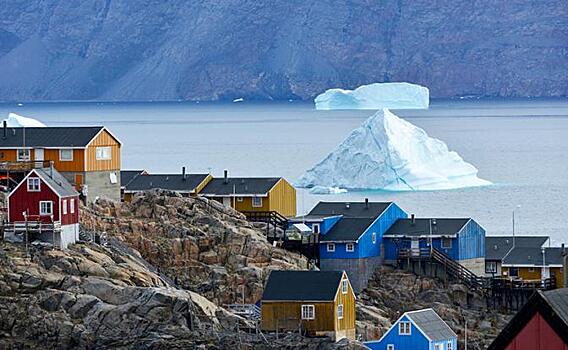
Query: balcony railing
23, 165
20, 227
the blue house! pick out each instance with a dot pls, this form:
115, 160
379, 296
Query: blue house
351, 236
462, 239
417, 330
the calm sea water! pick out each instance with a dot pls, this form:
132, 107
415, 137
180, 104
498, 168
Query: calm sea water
520, 145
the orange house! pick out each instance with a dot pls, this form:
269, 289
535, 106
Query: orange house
88, 157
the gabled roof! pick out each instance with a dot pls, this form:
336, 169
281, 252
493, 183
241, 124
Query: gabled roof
57, 182
302, 285
240, 186
347, 230
128, 175
551, 305
431, 324
496, 247
533, 256
370, 210
46, 137
170, 182
425, 227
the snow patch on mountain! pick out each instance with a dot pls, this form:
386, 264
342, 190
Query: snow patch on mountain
389, 153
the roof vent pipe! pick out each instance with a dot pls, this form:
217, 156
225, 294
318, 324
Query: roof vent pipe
347, 205
5, 125
51, 169
226, 176
183, 173
412, 219
366, 203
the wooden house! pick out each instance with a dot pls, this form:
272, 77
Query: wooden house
534, 264
251, 195
351, 236
183, 183
542, 323
320, 303
43, 206
88, 157
417, 330
463, 240
497, 247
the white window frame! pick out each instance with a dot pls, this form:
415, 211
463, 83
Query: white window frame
63, 159
450, 345
438, 346
257, 202
240, 199
314, 226
404, 328
344, 286
374, 237
64, 205
34, 181
350, 247
308, 312
390, 346
445, 246
331, 247
340, 311
45, 213
103, 153
72, 205
531, 269
492, 267
25, 158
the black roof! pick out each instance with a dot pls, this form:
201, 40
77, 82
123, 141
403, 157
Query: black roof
128, 175
551, 305
69, 136
302, 285
350, 209
60, 185
347, 229
424, 227
533, 256
496, 247
240, 186
171, 182
431, 324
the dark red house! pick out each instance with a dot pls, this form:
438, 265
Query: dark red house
542, 324
44, 206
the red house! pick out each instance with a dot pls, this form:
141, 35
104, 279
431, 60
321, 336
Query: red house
44, 206
542, 324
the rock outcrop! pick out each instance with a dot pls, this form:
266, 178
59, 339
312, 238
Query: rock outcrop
225, 49
201, 245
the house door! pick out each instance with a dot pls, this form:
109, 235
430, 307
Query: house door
38, 154
415, 246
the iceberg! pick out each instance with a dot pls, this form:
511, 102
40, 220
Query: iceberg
327, 190
376, 96
18, 121
389, 153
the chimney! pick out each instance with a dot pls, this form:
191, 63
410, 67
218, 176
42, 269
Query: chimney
366, 203
183, 177
5, 124
412, 219
226, 176
51, 169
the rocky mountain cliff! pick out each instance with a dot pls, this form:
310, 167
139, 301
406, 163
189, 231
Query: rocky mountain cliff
212, 50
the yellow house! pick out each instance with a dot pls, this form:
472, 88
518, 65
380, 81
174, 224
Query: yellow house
253, 194
88, 157
535, 264
320, 303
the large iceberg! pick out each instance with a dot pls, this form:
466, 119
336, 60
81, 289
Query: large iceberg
17, 121
376, 96
389, 153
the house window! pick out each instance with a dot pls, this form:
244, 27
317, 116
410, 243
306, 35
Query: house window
64, 205
438, 347
531, 269
103, 153
450, 346
390, 346
344, 286
374, 237
490, 267
256, 202
446, 243
340, 311
72, 206
331, 247
350, 247
514, 271
46, 208
33, 184
308, 312
65, 155
239, 199
404, 328
316, 228
23, 155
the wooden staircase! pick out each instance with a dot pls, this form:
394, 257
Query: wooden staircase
273, 218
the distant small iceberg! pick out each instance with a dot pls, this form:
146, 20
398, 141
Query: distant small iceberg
327, 190
240, 99
376, 96
17, 121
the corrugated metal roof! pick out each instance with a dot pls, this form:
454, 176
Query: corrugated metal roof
558, 301
347, 229
49, 136
170, 182
302, 285
128, 175
496, 247
431, 324
533, 256
426, 226
240, 186
350, 209
59, 183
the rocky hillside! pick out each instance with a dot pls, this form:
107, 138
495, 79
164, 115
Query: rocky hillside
211, 50
201, 245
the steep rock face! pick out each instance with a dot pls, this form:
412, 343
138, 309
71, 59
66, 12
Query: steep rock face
210, 50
